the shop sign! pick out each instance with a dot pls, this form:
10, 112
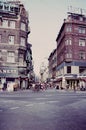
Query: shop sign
8, 71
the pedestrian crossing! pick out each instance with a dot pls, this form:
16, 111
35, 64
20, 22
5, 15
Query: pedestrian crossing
25, 105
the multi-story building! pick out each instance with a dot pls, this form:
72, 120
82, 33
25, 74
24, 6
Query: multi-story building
71, 50
52, 65
14, 32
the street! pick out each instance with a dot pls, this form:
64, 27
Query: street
49, 109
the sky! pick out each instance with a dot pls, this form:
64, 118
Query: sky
46, 18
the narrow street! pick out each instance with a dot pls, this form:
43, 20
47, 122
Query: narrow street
45, 110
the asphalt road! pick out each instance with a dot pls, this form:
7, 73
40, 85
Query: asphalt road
45, 110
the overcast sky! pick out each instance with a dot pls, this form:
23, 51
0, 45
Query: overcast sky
46, 18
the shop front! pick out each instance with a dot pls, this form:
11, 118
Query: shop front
10, 75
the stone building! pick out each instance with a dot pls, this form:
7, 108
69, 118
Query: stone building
14, 31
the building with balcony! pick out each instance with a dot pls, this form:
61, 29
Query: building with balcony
14, 30
71, 50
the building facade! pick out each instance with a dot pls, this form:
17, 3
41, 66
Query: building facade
14, 31
52, 65
71, 50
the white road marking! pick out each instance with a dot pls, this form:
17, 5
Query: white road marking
29, 105
48, 95
32, 104
13, 108
52, 101
41, 98
41, 103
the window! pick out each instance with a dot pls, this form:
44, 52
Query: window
68, 42
0, 54
69, 28
5, 23
82, 69
23, 27
81, 42
11, 57
11, 40
68, 69
22, 43
21, 59
12, 24
69, 55
1, 6
11, 9
82, 55
0, 38
82, 30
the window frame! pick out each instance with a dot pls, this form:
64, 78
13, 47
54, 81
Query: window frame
82, 30
69, 28
82, 55
0, 38
23, 26
82, 42
69, 55
23, 41
5, 23
68, 41
11, 57
21, 59
12, 24
11, 39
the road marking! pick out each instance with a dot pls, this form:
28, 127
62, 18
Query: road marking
13, 108
41, 103
48, 95
41, 98
52, 101
28, 105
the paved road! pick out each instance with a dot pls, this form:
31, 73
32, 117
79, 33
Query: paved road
45, 110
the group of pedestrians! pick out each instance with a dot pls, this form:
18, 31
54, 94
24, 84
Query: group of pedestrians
40, 86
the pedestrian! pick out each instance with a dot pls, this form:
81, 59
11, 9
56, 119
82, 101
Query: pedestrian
5, 86
33, 86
